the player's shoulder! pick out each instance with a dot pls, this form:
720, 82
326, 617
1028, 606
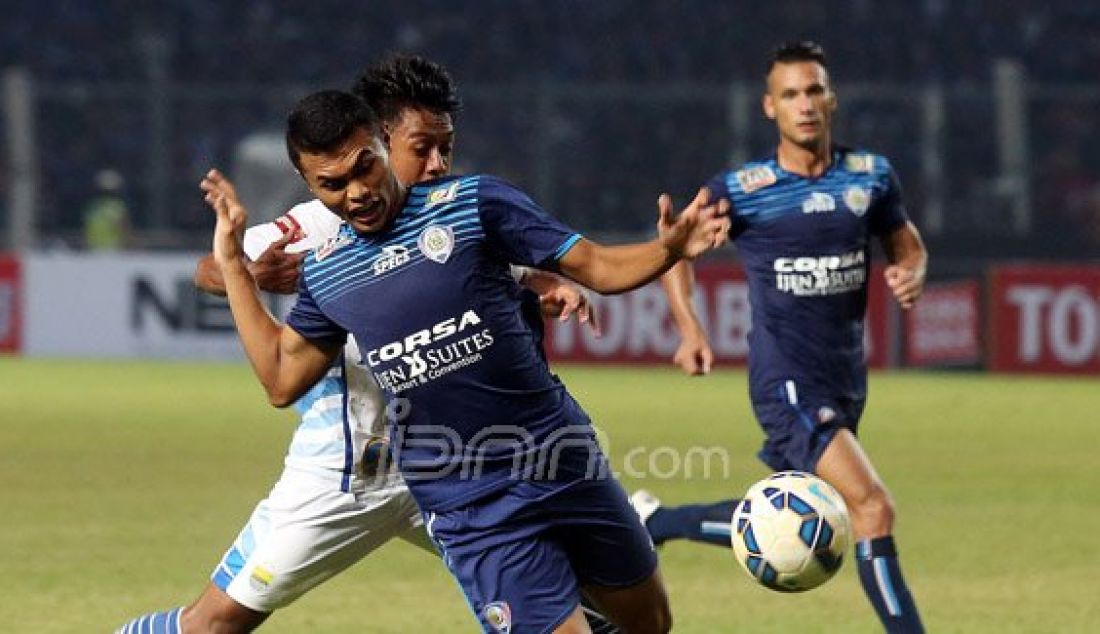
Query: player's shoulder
859, 161
752, 177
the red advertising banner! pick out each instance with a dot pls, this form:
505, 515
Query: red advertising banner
638, 328
943, 327
10, 304
1044, 318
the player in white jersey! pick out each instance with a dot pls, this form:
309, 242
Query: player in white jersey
338, 498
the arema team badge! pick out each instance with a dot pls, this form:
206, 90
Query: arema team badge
436, 242
499, 616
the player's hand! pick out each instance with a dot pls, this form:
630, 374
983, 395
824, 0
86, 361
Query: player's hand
905, 283
231, 217
567, 300
694, 356
701, 226
276, 271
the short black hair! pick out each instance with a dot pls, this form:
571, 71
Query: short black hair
325, 119
402, 81
799, 51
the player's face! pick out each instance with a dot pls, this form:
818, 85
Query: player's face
801, 102
355, 181
421, 143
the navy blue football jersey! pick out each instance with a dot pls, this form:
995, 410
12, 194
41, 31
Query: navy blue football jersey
805, 245
446, 332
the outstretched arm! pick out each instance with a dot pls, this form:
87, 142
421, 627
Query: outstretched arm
285, 362
908, 264
617, 269
694, 355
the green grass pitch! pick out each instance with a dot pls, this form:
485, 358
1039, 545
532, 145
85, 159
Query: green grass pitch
124, 482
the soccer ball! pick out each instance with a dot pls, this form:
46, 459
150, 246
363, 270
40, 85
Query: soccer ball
790, 532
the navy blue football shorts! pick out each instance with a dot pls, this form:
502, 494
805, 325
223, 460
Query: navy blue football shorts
522, 554
799, 425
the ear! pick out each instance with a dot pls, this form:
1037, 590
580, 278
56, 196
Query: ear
769, 106
387, 134
832, 102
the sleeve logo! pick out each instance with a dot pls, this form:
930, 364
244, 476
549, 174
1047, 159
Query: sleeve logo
754, 178
860, 163
442, 195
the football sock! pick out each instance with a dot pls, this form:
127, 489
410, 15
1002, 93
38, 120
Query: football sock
707, 523
156, 623
880, 575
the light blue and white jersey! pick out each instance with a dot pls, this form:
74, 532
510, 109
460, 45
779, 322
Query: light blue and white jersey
341, 416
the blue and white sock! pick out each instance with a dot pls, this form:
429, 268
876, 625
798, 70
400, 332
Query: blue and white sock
706, 523
880, 575
155, 623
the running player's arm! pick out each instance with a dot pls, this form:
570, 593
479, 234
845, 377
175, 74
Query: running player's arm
694, 354
617, 269
908, 263
285, 362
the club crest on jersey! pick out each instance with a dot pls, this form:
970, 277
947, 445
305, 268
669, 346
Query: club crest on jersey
818, 203
860, 163
858, 200
436, 242
331, 245
442, 195
390, 258
499, 616
754, 178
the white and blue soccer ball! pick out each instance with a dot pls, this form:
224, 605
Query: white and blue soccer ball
790, 531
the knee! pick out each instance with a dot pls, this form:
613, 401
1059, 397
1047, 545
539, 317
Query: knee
656, 620
873, 513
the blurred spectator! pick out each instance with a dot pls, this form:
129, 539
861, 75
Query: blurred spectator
105, 216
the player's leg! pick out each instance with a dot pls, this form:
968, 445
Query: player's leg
611, 554
847, 467
642, 608
301, 535
215, 611
705, 523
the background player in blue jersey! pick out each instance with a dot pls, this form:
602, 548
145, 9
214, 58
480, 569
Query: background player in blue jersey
497, 454
326, 513
802, 221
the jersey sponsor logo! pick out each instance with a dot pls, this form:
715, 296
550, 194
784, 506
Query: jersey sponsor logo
858, 200
430, 353
821, 275
754, 178
390, 258
436, 242
441, 195
818, 202
498, 615
331, 245
860, 163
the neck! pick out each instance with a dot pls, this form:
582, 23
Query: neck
811, 161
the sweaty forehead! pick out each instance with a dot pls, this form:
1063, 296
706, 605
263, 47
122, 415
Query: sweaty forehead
337, 162
796, 75
421, 121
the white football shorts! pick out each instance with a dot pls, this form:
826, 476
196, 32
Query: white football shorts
306, 531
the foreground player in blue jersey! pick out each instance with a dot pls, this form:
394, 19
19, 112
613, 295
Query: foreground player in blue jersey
502, 461
331, 507
803, 221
